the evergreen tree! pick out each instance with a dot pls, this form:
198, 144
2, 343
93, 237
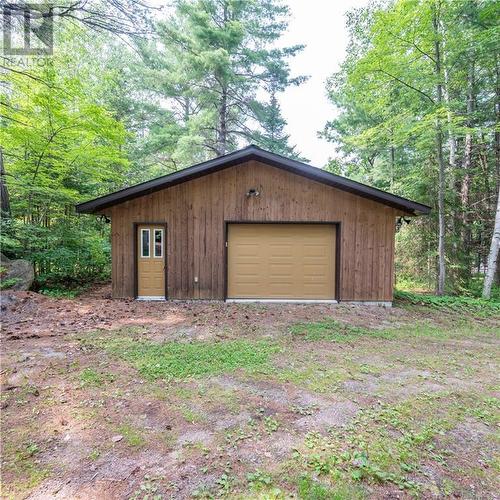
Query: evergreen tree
273, 136
215, 58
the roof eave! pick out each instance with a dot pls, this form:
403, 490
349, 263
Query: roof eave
252, 152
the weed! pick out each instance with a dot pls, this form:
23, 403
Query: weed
259, 479
315, 377
386, 444
20, 460
449, 303
309, 489
131, 435
94, 455
332, 330
148, 490
191, 416
224, 482
271, 424
182, 360
304, 409
487, 411
92, 378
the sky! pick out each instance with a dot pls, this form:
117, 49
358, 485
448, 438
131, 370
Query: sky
320, 25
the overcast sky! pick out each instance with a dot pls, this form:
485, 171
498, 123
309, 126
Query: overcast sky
320, 25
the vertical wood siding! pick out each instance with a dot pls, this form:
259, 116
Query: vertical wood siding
195, 212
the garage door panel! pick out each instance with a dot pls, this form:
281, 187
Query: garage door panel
289, 261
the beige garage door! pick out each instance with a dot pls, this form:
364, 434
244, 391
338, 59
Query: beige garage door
281, 261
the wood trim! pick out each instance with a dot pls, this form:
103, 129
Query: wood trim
338, 240
135, 226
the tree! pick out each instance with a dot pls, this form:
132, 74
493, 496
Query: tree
219, 55
493, 255
61, 146
414, 95
273, 136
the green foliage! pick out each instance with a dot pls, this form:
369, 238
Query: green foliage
61, 293
390, 108
61, 145
197, 359
466, 305
271, 424
259, 479
8, 283
215, 61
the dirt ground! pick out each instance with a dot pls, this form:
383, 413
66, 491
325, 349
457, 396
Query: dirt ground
301, 401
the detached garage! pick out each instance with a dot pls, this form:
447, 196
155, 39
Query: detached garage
253, 225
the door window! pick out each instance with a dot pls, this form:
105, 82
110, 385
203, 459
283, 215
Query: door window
145, 252
158, 249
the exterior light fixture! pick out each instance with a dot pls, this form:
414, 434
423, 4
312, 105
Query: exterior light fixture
253, 192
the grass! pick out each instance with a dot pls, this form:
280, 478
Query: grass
310, 489
450, 303
332, 330
92, 378
314, 376
392, 443
21, 460
132, 436
179, 360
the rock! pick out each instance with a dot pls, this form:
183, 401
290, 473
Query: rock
117, 438
19, 270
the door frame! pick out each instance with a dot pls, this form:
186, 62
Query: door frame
337, 224
136, 253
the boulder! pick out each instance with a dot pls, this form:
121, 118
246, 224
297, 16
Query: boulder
18, 269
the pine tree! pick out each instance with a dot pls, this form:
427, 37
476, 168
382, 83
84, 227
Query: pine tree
219, 55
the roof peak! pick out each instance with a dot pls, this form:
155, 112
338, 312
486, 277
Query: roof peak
249, 152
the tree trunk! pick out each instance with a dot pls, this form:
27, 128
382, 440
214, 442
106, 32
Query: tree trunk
439, 153
493, 255
222, 139
467, 163
222, 125
393, 162
4, 192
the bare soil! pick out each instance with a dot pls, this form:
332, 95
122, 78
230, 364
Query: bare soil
67, 435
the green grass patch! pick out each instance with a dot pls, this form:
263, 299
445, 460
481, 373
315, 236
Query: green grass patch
315, 377
20, 460
180, 360
335, 331
390, 444
310, 489
331, 330
93, 378
450, 303
131, 435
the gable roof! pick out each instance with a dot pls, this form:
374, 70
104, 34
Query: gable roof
253, 152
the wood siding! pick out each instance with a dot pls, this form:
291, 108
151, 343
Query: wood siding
196, 211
